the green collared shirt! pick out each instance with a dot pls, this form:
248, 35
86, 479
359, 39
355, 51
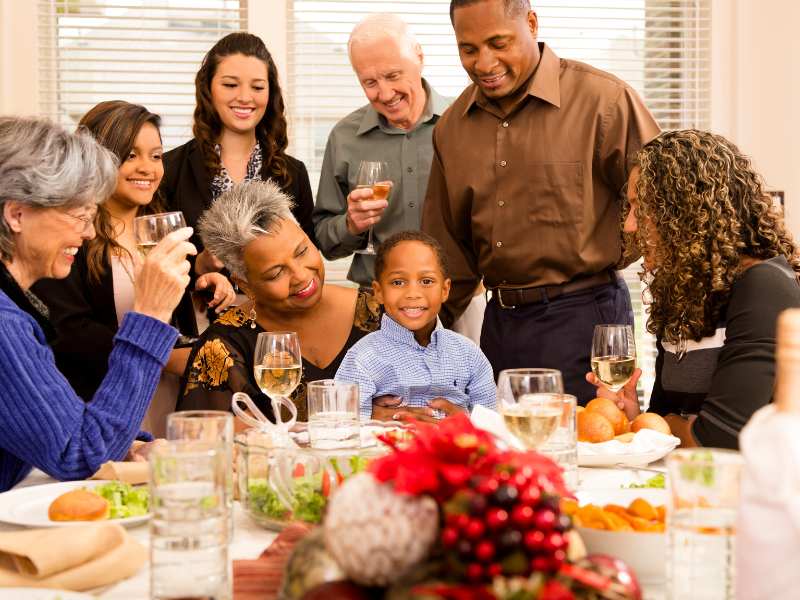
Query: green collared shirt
365, 135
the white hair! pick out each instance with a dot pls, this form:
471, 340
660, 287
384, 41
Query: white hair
43, 165
246, 211
379, 26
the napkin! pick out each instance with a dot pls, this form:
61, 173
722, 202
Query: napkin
73, 558
129, 472
643, 442
768, 528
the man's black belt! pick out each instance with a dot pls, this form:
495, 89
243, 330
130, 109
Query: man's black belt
514, 297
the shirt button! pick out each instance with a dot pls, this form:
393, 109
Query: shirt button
410, 169
505, 123
499, 244
412, 204
501, 203
503, 163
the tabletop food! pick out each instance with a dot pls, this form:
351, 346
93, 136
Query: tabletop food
640, 515
113, 500
601, 421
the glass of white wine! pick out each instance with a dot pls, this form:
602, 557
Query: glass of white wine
373, 174
531, 402
613, 355
277, 366
151, 229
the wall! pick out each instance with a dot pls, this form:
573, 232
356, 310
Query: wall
18, 58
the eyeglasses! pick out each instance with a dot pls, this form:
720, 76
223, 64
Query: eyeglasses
85, 220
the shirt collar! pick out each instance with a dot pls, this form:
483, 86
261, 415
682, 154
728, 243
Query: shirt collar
435, 105
396, 332
543, 84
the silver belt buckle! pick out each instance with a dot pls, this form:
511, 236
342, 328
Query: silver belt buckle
500, 299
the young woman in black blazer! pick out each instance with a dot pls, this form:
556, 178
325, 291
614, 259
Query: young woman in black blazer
87, 306
239, 135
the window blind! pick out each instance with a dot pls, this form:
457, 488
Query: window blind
146, 52
660, 47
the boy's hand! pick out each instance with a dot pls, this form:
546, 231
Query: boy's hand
447, 407
406, 413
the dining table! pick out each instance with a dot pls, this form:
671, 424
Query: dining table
250, 539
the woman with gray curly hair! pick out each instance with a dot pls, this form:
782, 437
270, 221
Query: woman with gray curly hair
50, 184
250, 228
720, 266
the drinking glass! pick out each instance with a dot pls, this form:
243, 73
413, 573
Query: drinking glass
704, 496
277, 366
613, 355
189, 527
210, 426
562, 445
531, 404
373, 174
151, 229
333, 416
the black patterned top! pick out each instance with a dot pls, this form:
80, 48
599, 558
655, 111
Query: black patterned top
221, 362
222, 181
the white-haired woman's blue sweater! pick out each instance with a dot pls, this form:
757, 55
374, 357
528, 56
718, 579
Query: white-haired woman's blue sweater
43, 423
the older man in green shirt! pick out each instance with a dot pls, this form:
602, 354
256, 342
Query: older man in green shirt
396, 127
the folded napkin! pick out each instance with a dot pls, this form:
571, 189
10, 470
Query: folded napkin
643, 442
128, 472
768, 527
73, 558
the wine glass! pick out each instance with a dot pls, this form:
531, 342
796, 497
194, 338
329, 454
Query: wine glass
277, 367
613, 355
531, 402
151, 229
373, 174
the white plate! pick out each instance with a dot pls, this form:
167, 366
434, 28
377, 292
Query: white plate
42, 594
628, 460
28, 506
645, 553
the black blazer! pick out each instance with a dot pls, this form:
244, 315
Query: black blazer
85, 319
186, 186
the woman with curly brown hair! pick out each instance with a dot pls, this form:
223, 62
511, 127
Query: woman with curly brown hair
239, 135
719, 266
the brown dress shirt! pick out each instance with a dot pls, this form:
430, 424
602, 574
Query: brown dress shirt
532, 196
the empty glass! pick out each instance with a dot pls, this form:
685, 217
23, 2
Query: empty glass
333, 415
189, 527
704, 497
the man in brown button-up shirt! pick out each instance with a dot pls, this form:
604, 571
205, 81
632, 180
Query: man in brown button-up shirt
526, 187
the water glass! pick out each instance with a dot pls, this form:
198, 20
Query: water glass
213, 427
333, 415
704, 495
562, 445
189, 527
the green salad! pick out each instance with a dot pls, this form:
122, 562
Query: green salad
309, 492
124, 500
656, 481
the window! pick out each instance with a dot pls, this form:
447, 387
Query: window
142, 51
660, 47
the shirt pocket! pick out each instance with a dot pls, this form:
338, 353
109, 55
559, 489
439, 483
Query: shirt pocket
556, 193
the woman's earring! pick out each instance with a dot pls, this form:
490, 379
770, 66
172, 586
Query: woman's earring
253, 316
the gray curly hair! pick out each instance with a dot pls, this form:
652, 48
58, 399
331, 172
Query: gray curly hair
247, 211
43, 165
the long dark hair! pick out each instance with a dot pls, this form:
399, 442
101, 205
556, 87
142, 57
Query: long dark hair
271, 129
114, 124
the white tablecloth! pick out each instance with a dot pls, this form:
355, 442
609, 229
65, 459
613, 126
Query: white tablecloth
249, 539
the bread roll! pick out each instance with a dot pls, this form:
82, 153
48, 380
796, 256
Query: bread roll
650, 420
610, 410
594, 427
78, 505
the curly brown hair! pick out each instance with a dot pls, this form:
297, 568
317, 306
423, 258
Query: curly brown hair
701, 210
271, 130
115, 125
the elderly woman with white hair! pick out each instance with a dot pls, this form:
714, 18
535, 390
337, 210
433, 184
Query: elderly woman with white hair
250, 228
50, 184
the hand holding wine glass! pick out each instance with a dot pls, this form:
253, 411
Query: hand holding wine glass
374, 176
277, 366
614, 360
151, 229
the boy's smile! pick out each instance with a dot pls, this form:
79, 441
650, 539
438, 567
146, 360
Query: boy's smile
412, 288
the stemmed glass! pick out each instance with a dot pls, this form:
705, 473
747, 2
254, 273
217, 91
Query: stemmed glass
277, 366
531, 402
151, 229
613, 355
373, 174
